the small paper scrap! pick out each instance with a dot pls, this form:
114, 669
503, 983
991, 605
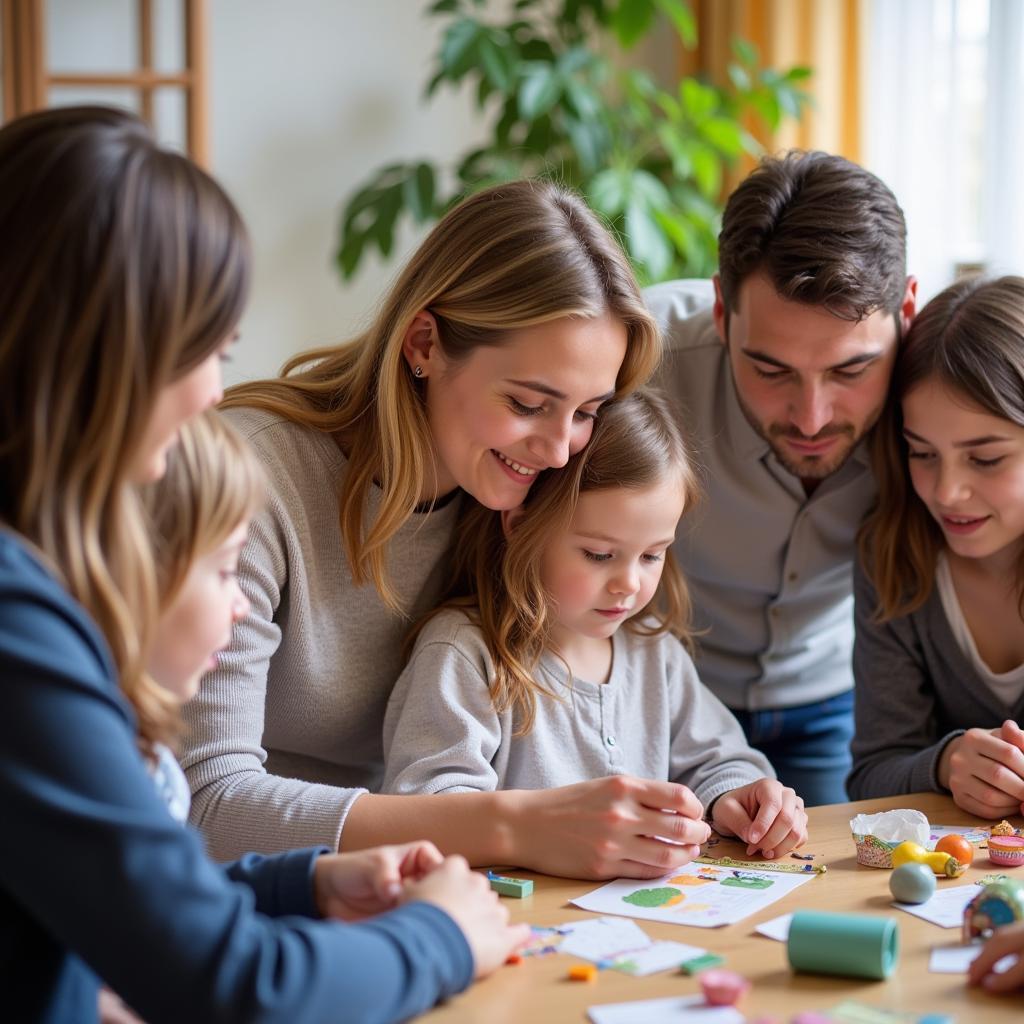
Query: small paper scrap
945, 908
602, 938
957, 959
661, 956
777, 928
674, 1010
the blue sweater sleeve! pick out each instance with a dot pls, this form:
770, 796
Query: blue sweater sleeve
97, 868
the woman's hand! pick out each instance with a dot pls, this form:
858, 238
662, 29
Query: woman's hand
766, 815
615, 827
354, 885
984, 770
466, 897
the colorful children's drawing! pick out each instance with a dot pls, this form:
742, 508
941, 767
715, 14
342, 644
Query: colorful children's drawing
975, 836
725, 896
663, 897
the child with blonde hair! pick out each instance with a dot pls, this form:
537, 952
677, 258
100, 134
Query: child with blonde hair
560, 654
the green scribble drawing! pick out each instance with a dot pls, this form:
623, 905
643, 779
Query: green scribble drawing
746, 882
663, 897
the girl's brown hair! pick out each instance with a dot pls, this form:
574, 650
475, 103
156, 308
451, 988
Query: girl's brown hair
507, 258
970, 338
214, 483
123, 266
496, 579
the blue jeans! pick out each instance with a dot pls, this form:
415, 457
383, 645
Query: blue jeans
809, 746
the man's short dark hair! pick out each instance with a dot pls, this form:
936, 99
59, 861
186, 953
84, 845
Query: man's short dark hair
823, 230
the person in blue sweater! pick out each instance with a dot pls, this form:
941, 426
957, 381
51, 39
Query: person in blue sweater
123, 273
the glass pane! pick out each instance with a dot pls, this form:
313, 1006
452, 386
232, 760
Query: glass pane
95, 37
169, 117
169, 35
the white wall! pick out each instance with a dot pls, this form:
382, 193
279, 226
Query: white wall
307, 99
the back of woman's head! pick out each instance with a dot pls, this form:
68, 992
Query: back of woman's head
636, 445
214, 483
123, 266
507, 258
970, 340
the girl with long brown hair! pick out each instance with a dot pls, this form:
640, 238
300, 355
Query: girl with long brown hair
939, 652
560, 654
488, 362
123, 272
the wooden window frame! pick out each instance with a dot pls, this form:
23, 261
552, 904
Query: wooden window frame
27, 80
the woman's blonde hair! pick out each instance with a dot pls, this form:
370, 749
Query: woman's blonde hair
507, 258
969, 338
214, 483
123, 266
496, 578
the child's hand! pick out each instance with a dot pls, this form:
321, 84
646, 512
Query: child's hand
766, 815
984, 770
1005, 942
466, 897
610, 828
354, 885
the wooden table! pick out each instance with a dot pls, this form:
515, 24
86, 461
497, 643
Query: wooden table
537, 992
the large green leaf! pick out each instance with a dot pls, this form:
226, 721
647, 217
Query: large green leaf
538, 91
458, 47
646, 241
631, 20
419, 192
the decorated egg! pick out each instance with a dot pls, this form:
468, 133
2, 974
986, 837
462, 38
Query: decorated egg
912, 883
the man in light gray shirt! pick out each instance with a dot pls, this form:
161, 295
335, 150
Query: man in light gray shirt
781, 366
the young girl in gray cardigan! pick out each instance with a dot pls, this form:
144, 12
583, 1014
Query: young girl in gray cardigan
560, 654
939, 653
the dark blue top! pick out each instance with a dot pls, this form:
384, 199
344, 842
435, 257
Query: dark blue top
98, 881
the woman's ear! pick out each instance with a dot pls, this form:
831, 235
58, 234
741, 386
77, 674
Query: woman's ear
510, 518
421, 345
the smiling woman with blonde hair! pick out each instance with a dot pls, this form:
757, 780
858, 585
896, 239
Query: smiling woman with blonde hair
490, 358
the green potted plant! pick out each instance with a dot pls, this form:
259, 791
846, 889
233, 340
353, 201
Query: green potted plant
650, 160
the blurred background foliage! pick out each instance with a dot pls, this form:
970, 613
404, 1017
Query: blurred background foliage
552, 81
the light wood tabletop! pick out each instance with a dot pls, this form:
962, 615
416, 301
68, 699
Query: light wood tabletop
537, 991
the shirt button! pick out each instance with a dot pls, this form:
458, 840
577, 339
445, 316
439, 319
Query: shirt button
610, 740
775, 613
792, 577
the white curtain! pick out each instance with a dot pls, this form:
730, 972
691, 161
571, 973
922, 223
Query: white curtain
944, 128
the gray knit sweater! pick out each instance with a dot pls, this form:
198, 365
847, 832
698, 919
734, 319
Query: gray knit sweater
286, 734
915, 691
653, 718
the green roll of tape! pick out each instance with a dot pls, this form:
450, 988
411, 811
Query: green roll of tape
851, 945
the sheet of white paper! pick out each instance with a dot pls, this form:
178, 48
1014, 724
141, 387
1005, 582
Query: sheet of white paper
697, 894
674, 1010
952, 959
661, 956
956, 959
777, 928
945, 908
603, 938
971, 833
